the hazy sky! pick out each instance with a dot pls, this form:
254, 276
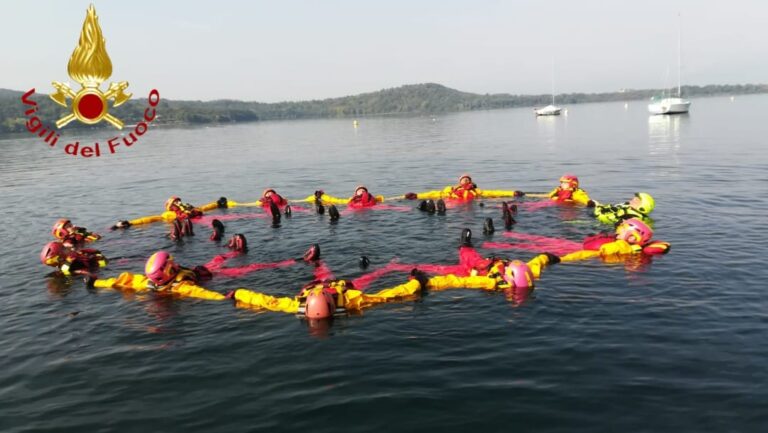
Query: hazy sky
291, 50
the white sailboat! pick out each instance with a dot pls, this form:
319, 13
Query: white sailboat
671, 105
552, 109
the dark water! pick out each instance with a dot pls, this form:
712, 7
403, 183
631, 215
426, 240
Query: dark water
677, 345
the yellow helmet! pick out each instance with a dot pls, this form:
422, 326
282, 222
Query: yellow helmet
647, 203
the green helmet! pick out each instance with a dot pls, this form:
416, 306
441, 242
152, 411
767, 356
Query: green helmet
647, 203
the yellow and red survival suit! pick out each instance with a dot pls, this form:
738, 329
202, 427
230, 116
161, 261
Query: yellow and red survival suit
175, 210
633, 236
466, 190
69, 261
163, 275
72, 236
569, 192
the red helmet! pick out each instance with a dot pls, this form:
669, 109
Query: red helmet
359, 187
320, 304
518, 274
465, 176
52, 252
570, 179
160, 268
60, 228
169, 204
267, 191
634, 231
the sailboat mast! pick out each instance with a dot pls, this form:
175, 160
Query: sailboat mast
679, 56
553, 81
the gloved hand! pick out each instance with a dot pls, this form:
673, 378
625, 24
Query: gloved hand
89, 280
222, 203
410, 196
202, 272
421, 277
552, 259
121, 225
519, 194
591, 203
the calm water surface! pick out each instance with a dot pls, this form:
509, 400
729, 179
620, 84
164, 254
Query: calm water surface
679, 344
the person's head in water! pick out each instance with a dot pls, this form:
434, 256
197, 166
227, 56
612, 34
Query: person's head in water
267, 194
517, 274
172, 203
53, 254
465, 180
62, 228
569, 182
642, 202
320, 305
361, 190
160, 268
634, 231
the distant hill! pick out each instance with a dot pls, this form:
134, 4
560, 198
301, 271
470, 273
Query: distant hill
429, 98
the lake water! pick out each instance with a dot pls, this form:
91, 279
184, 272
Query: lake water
679, 344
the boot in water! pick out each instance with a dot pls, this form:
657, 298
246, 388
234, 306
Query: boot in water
488, 228
440, 207
218, 230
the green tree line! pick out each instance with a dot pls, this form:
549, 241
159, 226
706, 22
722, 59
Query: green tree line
427, 98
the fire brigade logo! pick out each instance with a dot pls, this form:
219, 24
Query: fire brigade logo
90, 66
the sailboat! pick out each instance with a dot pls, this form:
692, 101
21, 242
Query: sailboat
671, 105
552, 109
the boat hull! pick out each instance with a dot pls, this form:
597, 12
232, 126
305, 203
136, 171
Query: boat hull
670, 106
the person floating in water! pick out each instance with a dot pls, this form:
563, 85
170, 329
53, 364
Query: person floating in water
361, 198
632, 236
72, 236
69, 261
164, 275
175, 209
465, 190
322, 299
569, 192
640, 206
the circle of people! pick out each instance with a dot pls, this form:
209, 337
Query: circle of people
326, 296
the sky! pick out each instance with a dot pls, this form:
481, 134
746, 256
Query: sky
291, 50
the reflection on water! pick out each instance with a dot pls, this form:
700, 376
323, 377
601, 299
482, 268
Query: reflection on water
549, 128
664, 134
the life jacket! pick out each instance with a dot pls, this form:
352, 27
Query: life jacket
79, 236
562, 195
274, 198
184, 274
651, 248
464, 192
335, 288
365, 199
618, 212
85, 259
596, 241
186, 210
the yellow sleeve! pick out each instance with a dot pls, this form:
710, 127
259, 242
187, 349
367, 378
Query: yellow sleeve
580, 196
436, 194
357, 300
126, 280
494, 193
537, 264
166, 216
553, 194
451, 281
329, 199
208, 207
232, 203
260, 300
192, 290
579, 255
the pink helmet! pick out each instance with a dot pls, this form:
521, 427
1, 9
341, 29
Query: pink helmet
634, 231
52, 250
320, 305
160, 268
571, 179
518, 274
169, 203
59, 229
